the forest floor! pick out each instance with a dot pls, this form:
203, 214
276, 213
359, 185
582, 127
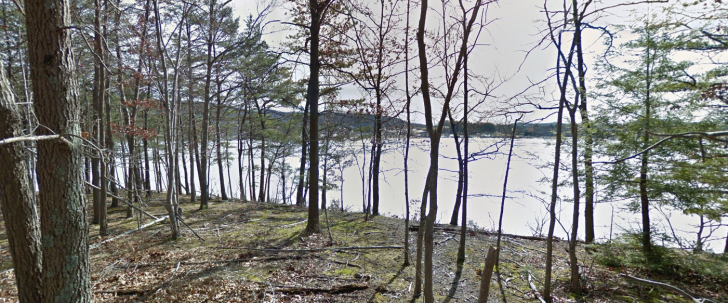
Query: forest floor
256, 252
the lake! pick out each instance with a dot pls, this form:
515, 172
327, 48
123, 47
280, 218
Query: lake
525, 205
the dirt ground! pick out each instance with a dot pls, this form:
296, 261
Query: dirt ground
256, 252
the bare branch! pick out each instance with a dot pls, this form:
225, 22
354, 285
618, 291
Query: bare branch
33, 139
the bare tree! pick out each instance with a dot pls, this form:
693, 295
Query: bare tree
434, 133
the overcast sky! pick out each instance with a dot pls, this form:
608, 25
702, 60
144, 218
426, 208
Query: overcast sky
516, 29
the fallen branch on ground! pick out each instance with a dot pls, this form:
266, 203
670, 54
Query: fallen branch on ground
312, 249
128, 232
533, 288
333, 290
292, 224
346, 263
122, 292
666, 286
238, 260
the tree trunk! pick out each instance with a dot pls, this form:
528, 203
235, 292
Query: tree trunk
204, 182
171, 106
240, 153
435, 132
316, 10
99, 102
64, 228
459, 192
573, 261
555, 181
486, 274
304, 146
644, 162
221, 174
145, 146
463, 160
17, 200
376, 161
184, 170
261, 194
406, 261
587, 134
421, 239
191, 131
251, 164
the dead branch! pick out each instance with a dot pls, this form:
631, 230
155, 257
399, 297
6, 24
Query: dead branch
128, 232
292, 224
667, 137
534, 289
122, 292
333, 290
125, 202
665, 286
346, 263
312, 249
486, 233
33, 139
238, 260
447, 239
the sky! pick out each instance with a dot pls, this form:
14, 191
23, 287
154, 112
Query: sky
508, 49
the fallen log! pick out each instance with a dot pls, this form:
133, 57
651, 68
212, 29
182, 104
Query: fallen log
333, 290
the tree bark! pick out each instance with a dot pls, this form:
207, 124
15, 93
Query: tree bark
486, 274
191, 130
171, 118
304, 148
204, 182
435, 133
459, 191
218, 137
463, 160
557, 158
573, 261
317, 10
100, 84
406, 261
17, 200
588, 139
378, 143
64, 228
644, 162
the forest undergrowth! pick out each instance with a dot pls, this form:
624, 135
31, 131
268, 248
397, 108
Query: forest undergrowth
256, 252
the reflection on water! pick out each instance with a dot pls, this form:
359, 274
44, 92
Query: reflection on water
525, 208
